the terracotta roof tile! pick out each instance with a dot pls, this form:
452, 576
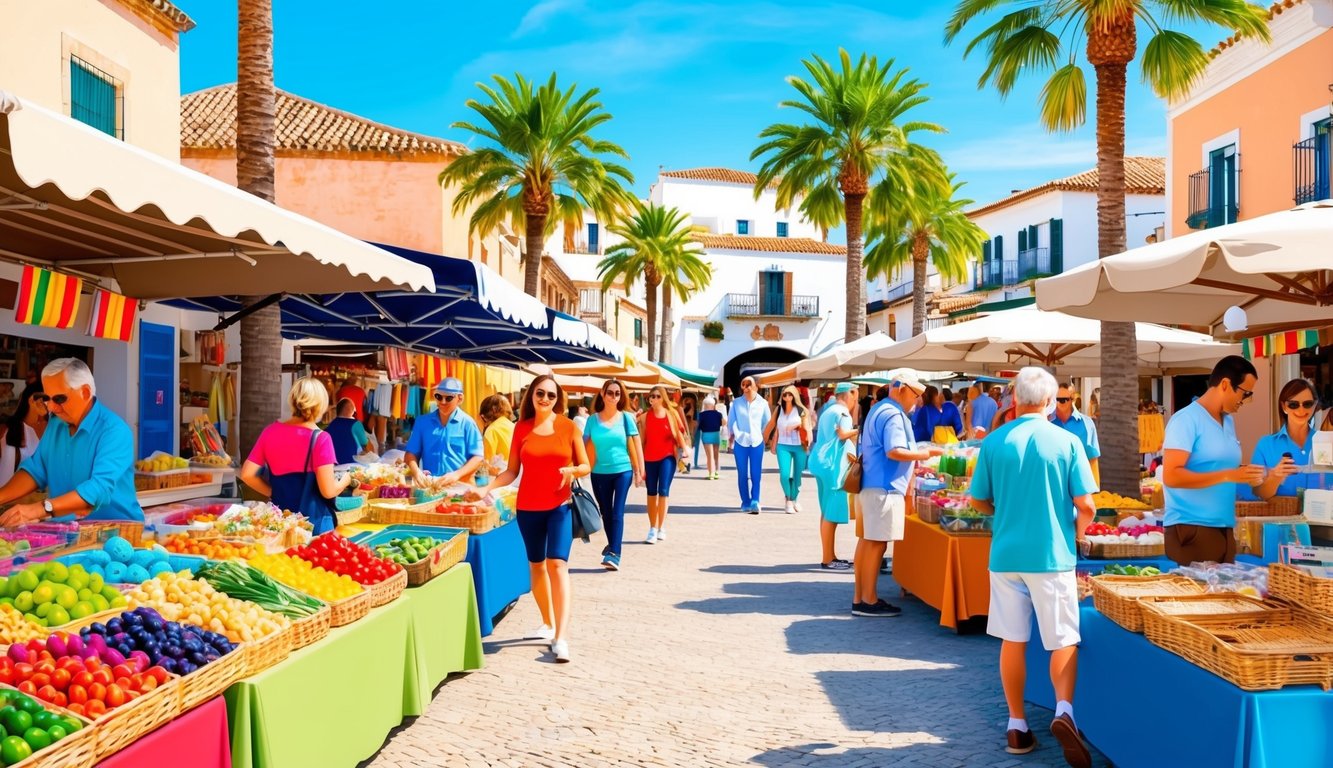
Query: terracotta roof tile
177, 17
1143, 176
208, 121
953, 303
771, 244
1273, 12
727, 175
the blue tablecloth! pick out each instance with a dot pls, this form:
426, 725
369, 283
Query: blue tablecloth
1141, 705
499, 571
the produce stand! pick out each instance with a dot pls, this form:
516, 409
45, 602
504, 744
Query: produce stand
198, 738
945, 571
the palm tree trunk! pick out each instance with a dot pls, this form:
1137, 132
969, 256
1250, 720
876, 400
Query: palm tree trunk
535, 236
1118, 426
650, 300
664, 344
855, 326
261, 341
920, 251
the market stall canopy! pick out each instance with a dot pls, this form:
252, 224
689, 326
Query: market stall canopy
1278, 268
77, 200
826, 365
631, 371
706, 379
473, 314
1028, 336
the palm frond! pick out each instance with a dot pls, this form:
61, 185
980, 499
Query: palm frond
1064, 99
1172, 63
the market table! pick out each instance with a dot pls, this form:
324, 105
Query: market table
1095, 566
1141, 705
947, 572
499, 569
333, 702
197, 738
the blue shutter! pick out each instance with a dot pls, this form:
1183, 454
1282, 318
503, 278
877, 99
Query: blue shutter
92, 97
782, 229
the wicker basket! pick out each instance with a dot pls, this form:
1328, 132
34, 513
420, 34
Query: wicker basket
1278, 506
349, 609
1119, 551
1296, 586
311, 629
1256, 650
98, 532
1117, 597
123, 725
157, 481
442, 558
213, 678
76, 750
379, 508
388, 590
479, 523
268, 651
928, 511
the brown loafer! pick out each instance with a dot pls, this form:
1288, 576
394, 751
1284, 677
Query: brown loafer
1020, 742
1071, 742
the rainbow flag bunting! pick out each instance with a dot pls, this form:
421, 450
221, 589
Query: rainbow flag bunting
47, 298
112, 316
1286, 343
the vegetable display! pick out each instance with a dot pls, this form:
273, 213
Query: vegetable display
174, 647
407, 550
339, 555
209, 548
303, 575
252, 585
27, 727
179, 597
52, 594
1116, 569
89, 677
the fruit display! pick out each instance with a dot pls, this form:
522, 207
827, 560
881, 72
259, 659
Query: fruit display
1108, 500
308, 578
27, 727
407, 550
966, 520
263, 522
177, 648
213, 549
211, 460
458, 506
253, 585
181, 597
52, 594
337, 554
160, 462
118, 562
380, 474
1119, 569
15, 628
1101, 533
87, 676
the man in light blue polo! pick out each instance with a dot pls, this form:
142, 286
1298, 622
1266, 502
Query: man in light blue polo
1068, 418
746, 420
980, 413
446, 446
1034, 478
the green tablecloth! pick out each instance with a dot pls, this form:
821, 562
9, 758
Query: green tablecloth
333, 703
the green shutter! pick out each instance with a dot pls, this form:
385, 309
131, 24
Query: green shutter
1057, 246
985, 252
1022, 240
999, 247
1032, 235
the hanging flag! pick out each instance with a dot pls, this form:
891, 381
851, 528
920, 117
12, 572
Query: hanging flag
1286, 343
47, 298
112, 316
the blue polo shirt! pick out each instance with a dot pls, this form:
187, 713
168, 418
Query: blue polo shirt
887, 427
1268, 452
1032, 470
1211, 447
983, 411
442, 448
1082, 427
97, 462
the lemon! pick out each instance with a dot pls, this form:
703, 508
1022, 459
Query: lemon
23, 601
57, 572
44, 593
26, 581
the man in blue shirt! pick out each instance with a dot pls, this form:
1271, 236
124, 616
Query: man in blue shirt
746, 421
1069, 419
448, 445
888, 454
980, 413
85, 462
1032, 476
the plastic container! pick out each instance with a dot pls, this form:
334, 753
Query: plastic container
177, 562
156, 481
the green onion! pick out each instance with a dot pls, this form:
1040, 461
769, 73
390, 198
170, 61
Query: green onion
244, 582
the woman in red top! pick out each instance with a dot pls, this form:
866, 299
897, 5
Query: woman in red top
549, 450
663, 433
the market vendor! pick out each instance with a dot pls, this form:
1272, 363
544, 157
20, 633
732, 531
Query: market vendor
1285, 451
1201, 467
447, 446
349, 437
1068, 418
86, 464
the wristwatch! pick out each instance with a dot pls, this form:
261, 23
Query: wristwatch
50, 509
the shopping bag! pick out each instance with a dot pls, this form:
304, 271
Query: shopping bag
587, 516
944, 435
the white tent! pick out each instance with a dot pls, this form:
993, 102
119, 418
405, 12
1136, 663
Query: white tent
1028, 336
1278, 268
826, 365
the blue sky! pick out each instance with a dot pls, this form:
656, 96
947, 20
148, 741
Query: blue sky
690, 82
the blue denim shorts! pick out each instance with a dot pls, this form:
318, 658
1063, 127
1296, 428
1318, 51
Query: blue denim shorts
657, 475
547, 535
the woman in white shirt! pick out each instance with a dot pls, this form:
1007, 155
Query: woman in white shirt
788, 433
20, 434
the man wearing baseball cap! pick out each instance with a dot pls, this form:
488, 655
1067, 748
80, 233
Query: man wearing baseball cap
448, 447
888, 454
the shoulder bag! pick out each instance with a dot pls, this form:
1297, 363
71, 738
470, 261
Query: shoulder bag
587, 517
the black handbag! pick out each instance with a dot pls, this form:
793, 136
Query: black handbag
587, 516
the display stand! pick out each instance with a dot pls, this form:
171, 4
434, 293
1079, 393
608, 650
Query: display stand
500, 568
197, 738
947, 572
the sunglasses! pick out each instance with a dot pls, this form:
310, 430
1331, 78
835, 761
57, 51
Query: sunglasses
439, 398
1298, 405
59, 399
1245, 394
654, 397
612, 392
746, 385
543, 394
1063, 400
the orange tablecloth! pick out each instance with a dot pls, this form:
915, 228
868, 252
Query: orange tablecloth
949, 573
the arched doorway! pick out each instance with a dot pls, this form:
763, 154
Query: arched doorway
754, 361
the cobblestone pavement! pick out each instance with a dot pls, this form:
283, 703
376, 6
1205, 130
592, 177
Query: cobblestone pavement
725, 645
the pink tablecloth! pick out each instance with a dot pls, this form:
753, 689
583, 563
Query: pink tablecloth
199, 739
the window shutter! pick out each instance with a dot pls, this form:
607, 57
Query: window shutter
1057, 246
985, 252
786, 293
1022, 240
999, 247
1032, 235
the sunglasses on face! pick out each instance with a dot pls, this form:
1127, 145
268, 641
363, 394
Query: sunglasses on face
654, 397
543, 394
612, 393
1300, 405
1245, 394
439, 398
746, 385
1063, 400
59, 399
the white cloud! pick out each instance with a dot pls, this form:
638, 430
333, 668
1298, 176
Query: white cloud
537, 17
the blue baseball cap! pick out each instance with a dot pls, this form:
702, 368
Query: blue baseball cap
450, 386
845, 386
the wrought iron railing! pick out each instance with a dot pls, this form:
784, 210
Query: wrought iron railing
748, 304
1034, 262
1310, 169
1204, 209
989, 275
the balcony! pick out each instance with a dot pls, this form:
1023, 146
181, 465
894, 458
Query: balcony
988, 276
899, 291
1310, 169
1212, 198
586, 249
773, 305
1035, 262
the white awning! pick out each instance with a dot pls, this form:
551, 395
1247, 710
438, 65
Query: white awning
77, 200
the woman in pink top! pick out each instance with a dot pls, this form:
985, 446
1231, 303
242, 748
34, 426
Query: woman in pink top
299, 457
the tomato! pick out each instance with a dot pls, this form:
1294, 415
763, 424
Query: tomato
121, 670
115, 696
60, 679
27, 687
92, 663
47, 693
7, 676
95, 708
97, 692
22, 671
78, 694
76, 708
46, 666
126, 683
40, 679
103, 676
71, 664
83, 678
147, 683
60, 700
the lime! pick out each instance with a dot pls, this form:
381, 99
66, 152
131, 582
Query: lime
66, 598
14, 749
44, 609
57, 616
57, 732
119, 601
26, 580
77, 579
44, 593
57, 571
29, 705
109, 592
45, 719
37, 738
72, 724
17, 721
100, 603
23, 601
96, 582
81, 609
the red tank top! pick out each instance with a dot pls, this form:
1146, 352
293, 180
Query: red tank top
658, 440
541, 457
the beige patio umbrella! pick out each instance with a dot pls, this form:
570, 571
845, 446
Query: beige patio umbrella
825, 365
1028, 336
632, 371
1278, 268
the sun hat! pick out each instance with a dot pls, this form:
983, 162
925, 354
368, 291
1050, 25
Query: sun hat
450, 386
905, 380
845, 386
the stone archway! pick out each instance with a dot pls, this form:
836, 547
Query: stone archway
753, 361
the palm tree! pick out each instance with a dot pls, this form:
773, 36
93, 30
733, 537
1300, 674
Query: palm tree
856, 136
659, 244
256, 118
926, 227
822, 206
1044, 35
544, 168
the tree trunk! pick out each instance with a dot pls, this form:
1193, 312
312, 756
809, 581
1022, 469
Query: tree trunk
664, 344
532, 260
261, 341
855, 326
1118, 425
920, 254
650, 301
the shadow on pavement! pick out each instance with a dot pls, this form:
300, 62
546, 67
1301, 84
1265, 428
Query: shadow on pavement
789, 598
763, 570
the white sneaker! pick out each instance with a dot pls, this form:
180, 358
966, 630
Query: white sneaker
544, 632
561, 650
791, 510
661, 535
652, 536
796, 505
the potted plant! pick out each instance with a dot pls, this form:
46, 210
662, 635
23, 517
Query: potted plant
712, 330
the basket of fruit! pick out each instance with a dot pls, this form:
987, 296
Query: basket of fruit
384, 580
424, 552
1117, 597
43, 735
53, 594
346, 599
1105, 542
209, 549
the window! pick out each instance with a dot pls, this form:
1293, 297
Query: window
638, 332
1057, 246
1213, 192
590, 300
782, 229
94, 98
742, 227
893, 327
593, 237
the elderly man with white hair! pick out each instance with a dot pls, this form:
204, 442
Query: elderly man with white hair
86, 464
1035, 478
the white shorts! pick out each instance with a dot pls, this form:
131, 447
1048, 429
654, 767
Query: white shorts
1054, 597
885, 514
